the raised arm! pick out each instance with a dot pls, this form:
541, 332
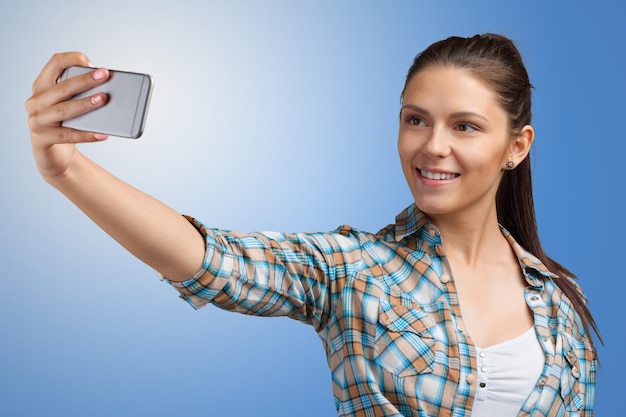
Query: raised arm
150, 230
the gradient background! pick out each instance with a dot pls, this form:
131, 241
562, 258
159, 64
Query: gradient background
273, 115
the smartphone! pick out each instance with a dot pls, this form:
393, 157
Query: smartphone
125, 112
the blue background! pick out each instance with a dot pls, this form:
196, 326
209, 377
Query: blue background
273, 115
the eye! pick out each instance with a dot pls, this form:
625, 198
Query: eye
466, 127
415, 120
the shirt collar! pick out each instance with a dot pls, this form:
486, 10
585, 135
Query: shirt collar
409, 221
412, 219
528, 261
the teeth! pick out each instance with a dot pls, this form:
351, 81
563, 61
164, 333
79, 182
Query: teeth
436, 175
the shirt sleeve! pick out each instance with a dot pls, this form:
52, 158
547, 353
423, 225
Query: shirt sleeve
271, 274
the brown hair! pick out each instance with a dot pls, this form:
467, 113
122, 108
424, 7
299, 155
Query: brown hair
496, 61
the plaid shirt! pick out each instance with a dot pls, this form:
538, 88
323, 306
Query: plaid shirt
386, 309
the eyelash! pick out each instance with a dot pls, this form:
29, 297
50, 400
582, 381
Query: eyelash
412, 118
469, 127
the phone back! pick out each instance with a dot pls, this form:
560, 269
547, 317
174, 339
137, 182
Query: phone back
125, 112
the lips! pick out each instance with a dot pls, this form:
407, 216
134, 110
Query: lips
431, 175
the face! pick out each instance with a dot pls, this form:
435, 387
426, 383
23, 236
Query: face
454, 142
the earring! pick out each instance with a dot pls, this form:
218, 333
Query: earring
510, 165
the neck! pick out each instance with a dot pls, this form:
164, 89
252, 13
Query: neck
472, 239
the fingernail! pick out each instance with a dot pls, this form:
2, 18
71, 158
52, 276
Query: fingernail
96, 99
100, 136
99, 74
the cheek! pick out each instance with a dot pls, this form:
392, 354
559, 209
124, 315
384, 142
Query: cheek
406, 148
481, 163
407, 151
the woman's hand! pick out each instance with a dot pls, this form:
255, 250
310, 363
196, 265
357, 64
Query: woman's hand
53, 145
150, 230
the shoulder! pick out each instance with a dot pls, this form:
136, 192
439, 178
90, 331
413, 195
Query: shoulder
561, 311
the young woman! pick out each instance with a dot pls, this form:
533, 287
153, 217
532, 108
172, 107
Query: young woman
453, 310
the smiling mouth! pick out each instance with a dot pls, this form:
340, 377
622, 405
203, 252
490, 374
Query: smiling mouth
437, 175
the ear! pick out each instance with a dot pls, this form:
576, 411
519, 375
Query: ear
521, 144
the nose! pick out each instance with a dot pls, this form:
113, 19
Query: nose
437, 144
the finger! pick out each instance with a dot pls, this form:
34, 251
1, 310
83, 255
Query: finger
51, 136
54, 68
68, 88
65, 110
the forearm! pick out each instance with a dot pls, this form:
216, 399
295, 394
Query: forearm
149, 229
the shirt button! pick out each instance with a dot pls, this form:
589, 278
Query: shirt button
534, 298
575, 372
542, 382
445, 278
470, 379
483, 369
482, 354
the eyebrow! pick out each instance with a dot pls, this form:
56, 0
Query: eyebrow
456, 115
415, 108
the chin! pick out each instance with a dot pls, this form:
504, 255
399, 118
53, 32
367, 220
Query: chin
432, 209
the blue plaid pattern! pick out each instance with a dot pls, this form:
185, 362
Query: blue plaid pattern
385, 308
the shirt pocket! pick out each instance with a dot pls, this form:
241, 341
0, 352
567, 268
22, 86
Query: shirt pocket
404, 343
572, 388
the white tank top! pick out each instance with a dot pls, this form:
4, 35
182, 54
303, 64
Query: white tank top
507, 373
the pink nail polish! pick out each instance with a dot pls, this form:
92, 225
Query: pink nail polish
95, 100
98, 74
100, 136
